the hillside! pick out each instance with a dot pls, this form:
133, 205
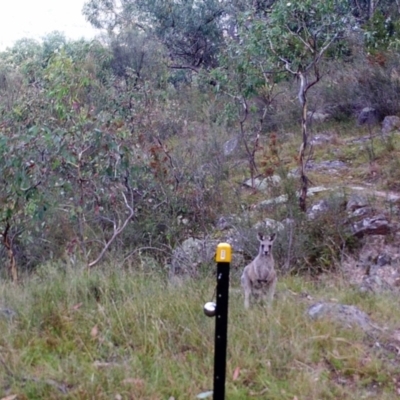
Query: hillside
124, 162
125, 330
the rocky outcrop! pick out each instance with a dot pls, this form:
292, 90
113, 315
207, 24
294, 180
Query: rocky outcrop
375, 225
377, 267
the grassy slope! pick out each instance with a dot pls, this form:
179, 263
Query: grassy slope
120, 334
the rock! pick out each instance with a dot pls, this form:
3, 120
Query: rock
374, 284
348, 316
7, 313
334, 203
317, 116
377, 225
284, 198
320, 139
236, 239
368, 116
228, 221
390, 123
331, 166
356, 202
190, 255
380, 252
318, 208
316, 189
269, 225
230, 146
362, 212
383, 259
264, 184
277, 200
376, 268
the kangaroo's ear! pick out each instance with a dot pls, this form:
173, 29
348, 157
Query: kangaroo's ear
272, 237
260, 236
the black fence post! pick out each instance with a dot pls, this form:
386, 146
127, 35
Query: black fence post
223, 259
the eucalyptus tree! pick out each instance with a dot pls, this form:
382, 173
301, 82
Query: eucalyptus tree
280, 38
298, 35
190, 29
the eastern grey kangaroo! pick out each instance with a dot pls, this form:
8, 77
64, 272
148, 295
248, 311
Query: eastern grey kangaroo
259, 277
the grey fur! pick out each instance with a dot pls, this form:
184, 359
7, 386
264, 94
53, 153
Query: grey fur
259, 277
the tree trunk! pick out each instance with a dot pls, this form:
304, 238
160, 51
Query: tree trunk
7, 241
303, 146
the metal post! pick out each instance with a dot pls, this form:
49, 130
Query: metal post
223, 258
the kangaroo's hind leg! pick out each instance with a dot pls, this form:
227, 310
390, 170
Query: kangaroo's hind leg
246, 285
271, 292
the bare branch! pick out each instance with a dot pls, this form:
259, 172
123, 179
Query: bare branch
284, 60
118, 228
309, 47
191, 67
322, 51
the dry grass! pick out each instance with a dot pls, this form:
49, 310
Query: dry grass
119, 334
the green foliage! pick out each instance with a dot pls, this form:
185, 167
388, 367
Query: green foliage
67, 84
82, 137
145, 114
189, 30
299, 31
381, 33
245, 66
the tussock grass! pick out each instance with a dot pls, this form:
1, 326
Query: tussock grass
112, 334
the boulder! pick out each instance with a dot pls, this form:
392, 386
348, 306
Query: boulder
346, 315
356, 202
375, 284
317, 116
368, 116
318, 208
190, 255
376, 225
230, 146
390, 123
376, 267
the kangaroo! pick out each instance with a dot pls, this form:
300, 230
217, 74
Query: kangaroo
259, 277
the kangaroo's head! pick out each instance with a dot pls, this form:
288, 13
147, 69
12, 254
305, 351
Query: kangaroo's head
266, 244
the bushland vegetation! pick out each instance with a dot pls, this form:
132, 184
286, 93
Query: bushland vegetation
108, 145
113, 151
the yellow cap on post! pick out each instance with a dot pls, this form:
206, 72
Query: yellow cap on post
224, 253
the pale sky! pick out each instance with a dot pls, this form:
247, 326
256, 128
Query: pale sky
36, 18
